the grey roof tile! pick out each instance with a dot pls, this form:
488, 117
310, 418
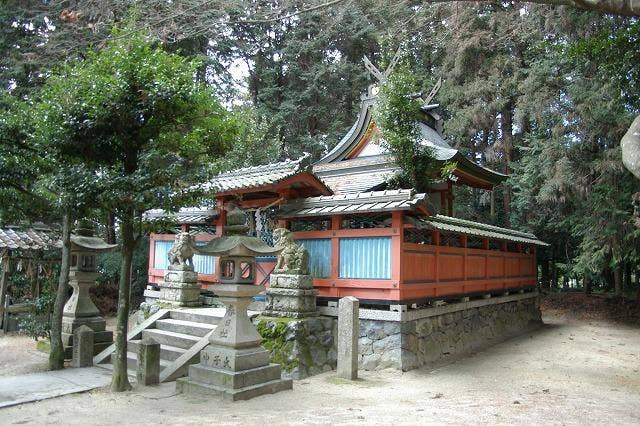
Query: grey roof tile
255, 176
27, 239
362, 202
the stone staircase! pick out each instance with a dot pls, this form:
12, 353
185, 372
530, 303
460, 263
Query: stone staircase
182, 334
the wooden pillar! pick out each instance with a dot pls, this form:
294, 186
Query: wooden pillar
222, 217
4, 280
396, 247
335, 252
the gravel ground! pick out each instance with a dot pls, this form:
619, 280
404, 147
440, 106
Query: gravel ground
565, 373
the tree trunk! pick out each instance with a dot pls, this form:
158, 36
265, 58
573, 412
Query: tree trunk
627, 277
544, 278
506, 129
554, 276
587, 285
617, 280
111, 229
120, 379
56, 355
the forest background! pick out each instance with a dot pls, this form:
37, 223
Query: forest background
542, 92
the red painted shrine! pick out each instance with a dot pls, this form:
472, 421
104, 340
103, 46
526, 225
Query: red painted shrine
380, 245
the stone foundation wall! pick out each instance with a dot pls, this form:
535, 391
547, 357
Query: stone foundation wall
303, 347
399, 340
444, 336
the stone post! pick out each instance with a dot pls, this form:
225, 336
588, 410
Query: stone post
148, 370
82, 347
348, 327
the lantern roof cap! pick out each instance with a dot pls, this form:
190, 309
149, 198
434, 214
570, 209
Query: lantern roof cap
91, 243
237, 245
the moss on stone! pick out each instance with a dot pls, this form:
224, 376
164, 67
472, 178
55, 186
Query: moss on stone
276, 343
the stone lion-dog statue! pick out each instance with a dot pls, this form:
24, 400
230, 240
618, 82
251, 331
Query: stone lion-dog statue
182, 251
293, 258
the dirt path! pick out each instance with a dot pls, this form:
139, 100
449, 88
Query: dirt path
565, 373
19, 356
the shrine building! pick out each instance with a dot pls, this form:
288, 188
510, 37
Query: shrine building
383, 246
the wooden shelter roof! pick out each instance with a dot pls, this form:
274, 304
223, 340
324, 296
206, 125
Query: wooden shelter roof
35, 238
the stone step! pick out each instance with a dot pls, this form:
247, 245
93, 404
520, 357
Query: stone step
207, 316
132, 362
168, 353
171, 338
185, 327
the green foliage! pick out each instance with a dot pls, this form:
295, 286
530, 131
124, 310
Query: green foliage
254, 145
134, 123
398, 114
37, 323
305, 74
108, 265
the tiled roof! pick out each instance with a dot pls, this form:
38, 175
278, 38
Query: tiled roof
452, 224
27, 239
187, 215
362, 202
256, 176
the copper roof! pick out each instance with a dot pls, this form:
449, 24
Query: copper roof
452, 224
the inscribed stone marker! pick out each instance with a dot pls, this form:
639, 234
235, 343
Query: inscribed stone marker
148, 370
82, 347
348, 313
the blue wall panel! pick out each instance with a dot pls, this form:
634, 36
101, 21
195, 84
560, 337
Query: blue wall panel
319, 256
365, 258
202, 264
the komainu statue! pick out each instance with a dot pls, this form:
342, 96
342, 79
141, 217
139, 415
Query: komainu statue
182, 251
294, 258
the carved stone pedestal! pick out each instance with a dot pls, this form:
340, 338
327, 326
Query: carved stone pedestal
180, 287
80, 310
234, 365
291, 296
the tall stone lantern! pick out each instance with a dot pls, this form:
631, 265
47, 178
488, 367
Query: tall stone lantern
80, 309
234, 364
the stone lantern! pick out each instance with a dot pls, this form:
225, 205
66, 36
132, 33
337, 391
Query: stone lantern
234, 364
80, 309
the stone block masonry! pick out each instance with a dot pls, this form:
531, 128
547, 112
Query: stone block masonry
302, 347
445, 336
411, 339
402, 340
180, 288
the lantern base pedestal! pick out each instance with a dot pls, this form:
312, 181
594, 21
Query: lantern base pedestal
102, 339
234, 374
